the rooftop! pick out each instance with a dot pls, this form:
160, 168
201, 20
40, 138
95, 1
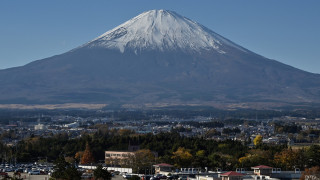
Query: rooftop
163, 165
232, 173
261, 167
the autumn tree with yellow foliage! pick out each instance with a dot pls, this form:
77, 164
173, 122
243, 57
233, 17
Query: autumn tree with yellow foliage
289, 159
257, 140
182, 157
256, 156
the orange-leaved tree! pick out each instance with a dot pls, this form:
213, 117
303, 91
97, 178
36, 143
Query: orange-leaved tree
311, 173
87, 157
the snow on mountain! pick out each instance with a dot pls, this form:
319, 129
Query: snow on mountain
161, 30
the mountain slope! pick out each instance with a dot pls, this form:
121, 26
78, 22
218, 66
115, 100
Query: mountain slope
158, 57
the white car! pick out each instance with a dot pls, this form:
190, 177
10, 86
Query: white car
35, 172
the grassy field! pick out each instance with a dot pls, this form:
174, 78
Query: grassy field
303, 145
52, 106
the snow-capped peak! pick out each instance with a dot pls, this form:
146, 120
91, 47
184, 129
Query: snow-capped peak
162, 30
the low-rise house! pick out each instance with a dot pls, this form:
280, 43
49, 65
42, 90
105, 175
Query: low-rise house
163, 168
262, 170
232, 175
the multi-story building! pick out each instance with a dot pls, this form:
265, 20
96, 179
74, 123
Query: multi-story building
118, 157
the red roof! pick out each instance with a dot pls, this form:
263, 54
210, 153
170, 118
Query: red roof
261, 167
231, 173
163, 164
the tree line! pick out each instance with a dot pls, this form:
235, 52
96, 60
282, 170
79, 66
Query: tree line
171, 148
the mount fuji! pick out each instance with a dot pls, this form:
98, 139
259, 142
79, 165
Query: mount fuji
162, 31
159, 58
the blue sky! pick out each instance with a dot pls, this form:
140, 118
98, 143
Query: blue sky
286, 30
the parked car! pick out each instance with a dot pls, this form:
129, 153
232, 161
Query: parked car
87, 175
8, 169
154, 178
122, 173
27, 170
161, 176
184, 177
43, 172
20, 170
146, 177
4, 175
127, 176
34, 172
172, 177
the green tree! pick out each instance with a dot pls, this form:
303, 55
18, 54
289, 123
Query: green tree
200, 159
64, 170
71, 173
60, 165
223, 161
212, 132
101, 174
70, 160
142, 160
215, 161
313, 155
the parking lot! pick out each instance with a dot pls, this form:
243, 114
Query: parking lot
46, 177
31, 177
117, 177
